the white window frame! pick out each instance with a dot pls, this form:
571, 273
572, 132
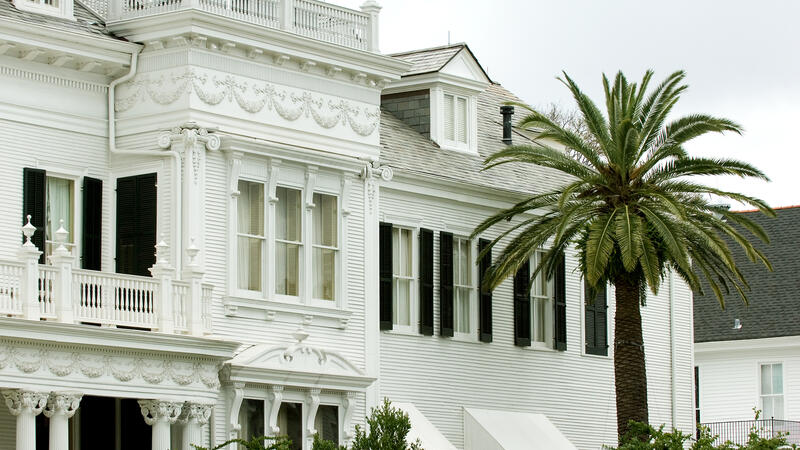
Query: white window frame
455, 143
547, 344
413, 279
302, 291
338, 282
438, 119
471, 288
264, 245
77, 215
773, 395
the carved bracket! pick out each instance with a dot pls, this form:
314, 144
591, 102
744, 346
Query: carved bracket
275, 398
233, 416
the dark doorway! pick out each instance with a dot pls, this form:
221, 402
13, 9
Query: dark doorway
106, 423
136, 224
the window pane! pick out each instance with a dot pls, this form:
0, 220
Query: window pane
465, 266
396, 251
449, 118
287, 268
288, 220
251, 208
461, 120
766, 379
540, 319
290, 422
327, 423
251, 418
767, 410
402, 304
249, 263
407, 252
777, 407
462, 310
325, 220
59, 206
324, 273
777, 378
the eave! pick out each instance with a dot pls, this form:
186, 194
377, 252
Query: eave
295, 378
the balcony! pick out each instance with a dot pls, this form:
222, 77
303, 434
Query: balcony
738, 431
62, 293
310, 18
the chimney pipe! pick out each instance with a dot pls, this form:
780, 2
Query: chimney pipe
507, 111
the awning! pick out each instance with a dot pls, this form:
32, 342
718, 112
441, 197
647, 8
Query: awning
502, 430
429, 436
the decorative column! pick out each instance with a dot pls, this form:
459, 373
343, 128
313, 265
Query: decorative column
160, 415
191, 141
164, 273
25, 405
61, 406
371, 174
29, 285
193, 417
63, 260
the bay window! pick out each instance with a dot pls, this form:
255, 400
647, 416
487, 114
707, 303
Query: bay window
250, 235
288, 240
402, 275
541, 303
325, 246
465, 311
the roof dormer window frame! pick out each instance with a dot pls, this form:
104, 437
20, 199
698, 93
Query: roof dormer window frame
445, 103
55, 8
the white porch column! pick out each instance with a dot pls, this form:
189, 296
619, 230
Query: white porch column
61, 406
191, 141
194, 416
160, 415
26, 405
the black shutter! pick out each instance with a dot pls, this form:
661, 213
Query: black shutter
136, 224
446, 283
560, 307
92, 223
595, 320
485, 300
426, 282
385, 272
33, 204
522, 306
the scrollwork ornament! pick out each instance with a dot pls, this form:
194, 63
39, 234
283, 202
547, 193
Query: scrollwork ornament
160, 411
23, 401
62, 403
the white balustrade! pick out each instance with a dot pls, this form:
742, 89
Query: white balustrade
310, 18
10, 289
47, 294
208, 289
115, 299
180, 302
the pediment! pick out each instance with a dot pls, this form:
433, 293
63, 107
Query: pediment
464, 65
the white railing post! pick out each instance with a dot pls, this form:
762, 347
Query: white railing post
194, 308
29, 285
62, 260
372, 8
287, 15
164, 273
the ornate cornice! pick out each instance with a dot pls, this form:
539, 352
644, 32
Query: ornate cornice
250, 96
41, 77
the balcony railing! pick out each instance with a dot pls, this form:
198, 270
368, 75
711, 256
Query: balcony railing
738, 432
63, 293
310, 18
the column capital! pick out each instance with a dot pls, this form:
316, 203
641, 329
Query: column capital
198, 413
190, 135
63, 403
155, 411
21, 401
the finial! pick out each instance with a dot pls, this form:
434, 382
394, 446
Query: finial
160, 248
192, 252
27, 230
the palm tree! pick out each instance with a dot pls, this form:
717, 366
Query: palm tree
632, 209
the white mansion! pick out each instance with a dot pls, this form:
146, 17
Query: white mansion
230, 218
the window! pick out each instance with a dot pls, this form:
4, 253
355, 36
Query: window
595, 321
251, 418
402, 275
59, 206
464, 310
772, 391
288, 240
541, 303
455, 119
327, 423
326, 239
290, 423
697, 399
250, 235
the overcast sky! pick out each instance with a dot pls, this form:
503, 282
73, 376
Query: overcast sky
742, 60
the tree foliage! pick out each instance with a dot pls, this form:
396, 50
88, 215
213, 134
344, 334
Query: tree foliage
387, 428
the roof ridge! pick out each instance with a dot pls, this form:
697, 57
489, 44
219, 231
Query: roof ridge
774, 208
429, 49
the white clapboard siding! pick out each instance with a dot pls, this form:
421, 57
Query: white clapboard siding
442, 375
8, 429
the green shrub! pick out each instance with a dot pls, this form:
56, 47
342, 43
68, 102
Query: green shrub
256, 443
388, 428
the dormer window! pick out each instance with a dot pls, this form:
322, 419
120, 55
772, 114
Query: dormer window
57, 8
455, 119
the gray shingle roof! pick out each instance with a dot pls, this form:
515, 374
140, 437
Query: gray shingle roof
429, 59
85, 23
774, 308
406, 151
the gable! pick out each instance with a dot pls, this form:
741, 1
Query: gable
464, 65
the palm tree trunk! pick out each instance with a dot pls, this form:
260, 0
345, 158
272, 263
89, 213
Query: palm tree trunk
629, 365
